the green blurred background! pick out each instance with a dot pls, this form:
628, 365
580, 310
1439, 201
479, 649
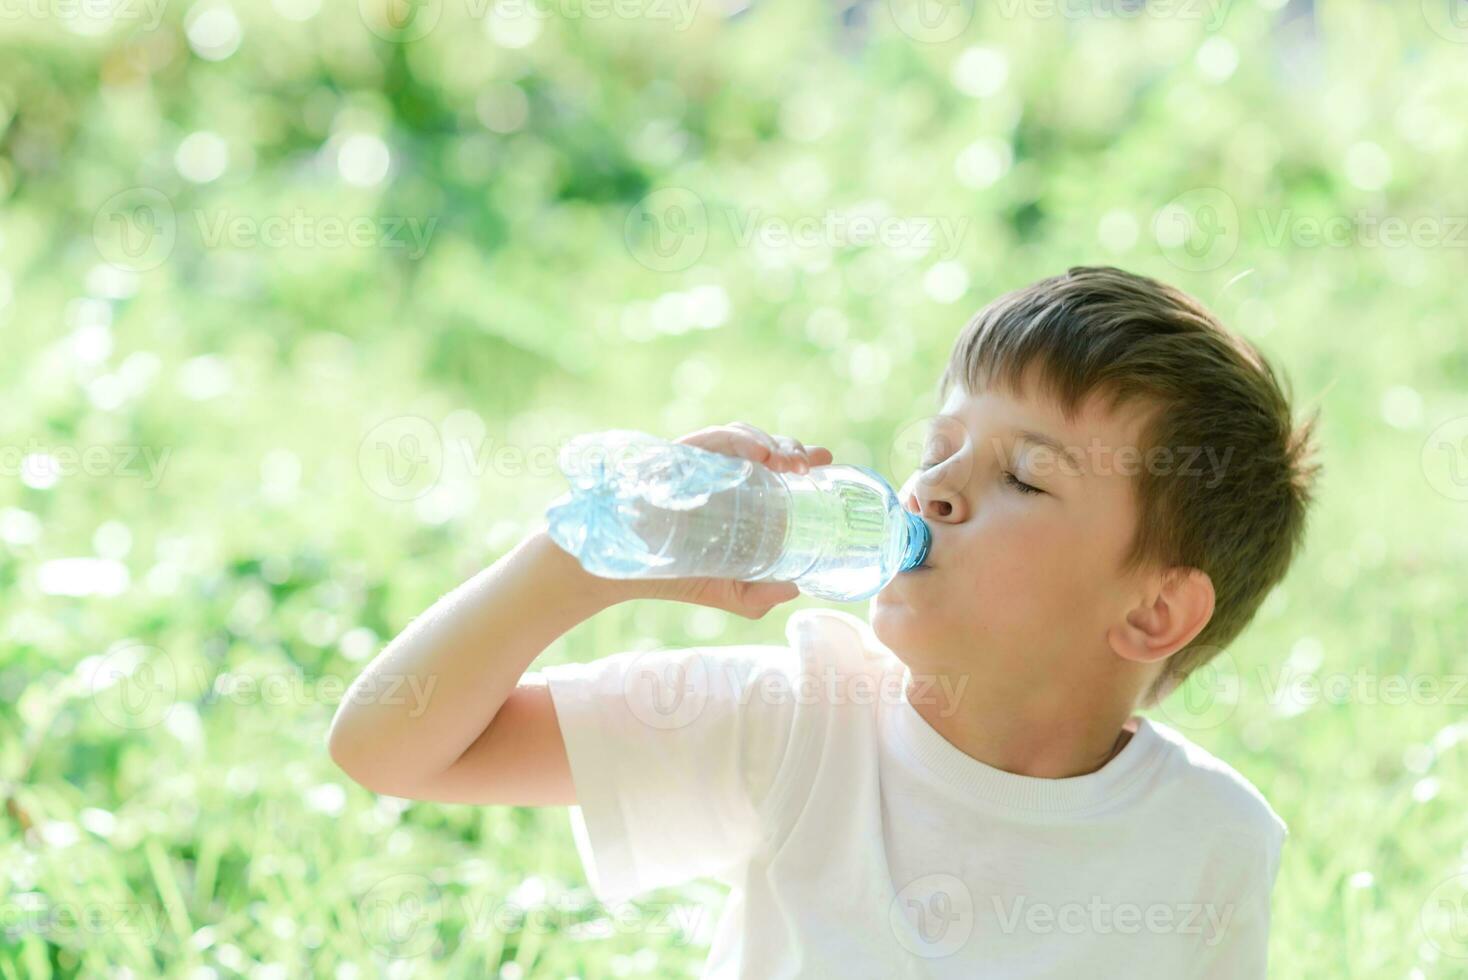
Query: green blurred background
298, 301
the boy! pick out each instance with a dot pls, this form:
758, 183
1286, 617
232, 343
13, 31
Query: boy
960, 788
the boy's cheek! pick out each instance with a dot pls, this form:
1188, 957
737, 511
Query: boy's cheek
1010, 566
1016, 553
1036, 581
1002, 597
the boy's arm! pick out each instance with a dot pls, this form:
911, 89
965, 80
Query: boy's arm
444, 712
441, 714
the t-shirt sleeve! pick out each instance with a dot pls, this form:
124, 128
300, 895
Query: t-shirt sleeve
674, 754
1239, 946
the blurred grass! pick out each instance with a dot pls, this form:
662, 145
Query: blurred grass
168, 287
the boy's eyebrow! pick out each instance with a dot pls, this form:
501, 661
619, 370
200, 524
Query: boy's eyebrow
1041, 439
1037, 438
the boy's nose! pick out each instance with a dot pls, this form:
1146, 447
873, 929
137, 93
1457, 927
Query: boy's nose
934, 502
935, 508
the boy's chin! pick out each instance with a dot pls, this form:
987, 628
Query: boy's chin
900, 628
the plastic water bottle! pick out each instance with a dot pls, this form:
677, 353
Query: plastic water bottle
643, 507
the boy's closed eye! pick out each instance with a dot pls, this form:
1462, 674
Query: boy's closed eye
1010, 480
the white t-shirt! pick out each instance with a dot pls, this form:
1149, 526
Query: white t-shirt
858, 842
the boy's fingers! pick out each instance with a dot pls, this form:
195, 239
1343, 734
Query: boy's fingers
753, 443
792, 446
728, 441
758, 435
806, 457
761, 597
817, 455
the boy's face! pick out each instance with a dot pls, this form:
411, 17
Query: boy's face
1025, 582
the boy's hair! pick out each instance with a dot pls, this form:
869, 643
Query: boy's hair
1100, 330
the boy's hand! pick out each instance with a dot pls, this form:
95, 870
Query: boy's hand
779, 453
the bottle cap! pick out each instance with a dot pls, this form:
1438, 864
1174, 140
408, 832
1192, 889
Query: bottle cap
919, 538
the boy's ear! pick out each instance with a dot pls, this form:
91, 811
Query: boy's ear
1175, 608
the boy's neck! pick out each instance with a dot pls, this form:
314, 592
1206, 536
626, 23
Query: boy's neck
1048, 736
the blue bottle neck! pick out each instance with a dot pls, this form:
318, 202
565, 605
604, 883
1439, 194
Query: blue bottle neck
919, 538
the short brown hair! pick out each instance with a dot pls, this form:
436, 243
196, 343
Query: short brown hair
1100, 330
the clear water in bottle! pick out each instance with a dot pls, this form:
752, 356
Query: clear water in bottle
643, 507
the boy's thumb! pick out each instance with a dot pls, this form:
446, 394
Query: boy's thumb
773, 593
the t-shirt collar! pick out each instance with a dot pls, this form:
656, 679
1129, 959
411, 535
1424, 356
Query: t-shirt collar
976, 779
